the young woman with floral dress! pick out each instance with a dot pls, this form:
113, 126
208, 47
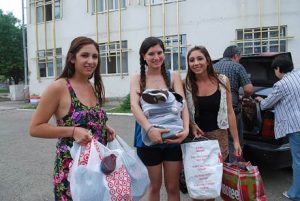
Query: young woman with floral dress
76, 104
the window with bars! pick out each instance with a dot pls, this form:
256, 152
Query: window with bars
45, 60
113, 5
157, 2
44, 9
110, 56
264, 39
175, 53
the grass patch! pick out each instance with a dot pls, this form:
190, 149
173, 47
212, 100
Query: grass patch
30, 107
118, 110
124, 107
2, 91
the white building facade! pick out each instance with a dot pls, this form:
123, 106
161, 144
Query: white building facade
255, 25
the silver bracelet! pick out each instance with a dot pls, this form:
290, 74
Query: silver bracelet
148, 130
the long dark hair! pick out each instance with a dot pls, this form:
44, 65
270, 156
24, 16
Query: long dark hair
191, 80
146, 45
69, 69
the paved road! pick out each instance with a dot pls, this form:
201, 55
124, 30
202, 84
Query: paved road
26, 163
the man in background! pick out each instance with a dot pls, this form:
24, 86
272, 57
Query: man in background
229, 65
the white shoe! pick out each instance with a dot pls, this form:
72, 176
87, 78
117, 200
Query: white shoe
286, 195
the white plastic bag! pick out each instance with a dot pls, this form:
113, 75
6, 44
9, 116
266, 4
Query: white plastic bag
88, 182
137, 170
203, 168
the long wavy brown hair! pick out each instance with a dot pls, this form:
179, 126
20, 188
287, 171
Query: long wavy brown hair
146, 45
191, 80
69, 69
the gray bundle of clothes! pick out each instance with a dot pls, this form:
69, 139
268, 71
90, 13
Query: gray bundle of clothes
163, 110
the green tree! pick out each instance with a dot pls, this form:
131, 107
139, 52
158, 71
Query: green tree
11, 48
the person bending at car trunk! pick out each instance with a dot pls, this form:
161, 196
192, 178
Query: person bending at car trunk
285, 100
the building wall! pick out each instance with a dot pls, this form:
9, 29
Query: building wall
212, 24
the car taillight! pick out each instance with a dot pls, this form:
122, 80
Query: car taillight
268, 128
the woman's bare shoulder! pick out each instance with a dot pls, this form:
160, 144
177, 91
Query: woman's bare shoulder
135, 76
57, 86
176, 77
135, 79
175, 73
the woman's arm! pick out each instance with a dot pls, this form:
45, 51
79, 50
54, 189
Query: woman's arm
277, 94
47, 107
178, 88
232, 121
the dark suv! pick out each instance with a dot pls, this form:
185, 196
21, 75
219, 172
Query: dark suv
260, 146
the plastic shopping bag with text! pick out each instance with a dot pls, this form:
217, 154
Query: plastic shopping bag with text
203, 168
242, 182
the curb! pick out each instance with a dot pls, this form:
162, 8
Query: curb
109, 113
120, 114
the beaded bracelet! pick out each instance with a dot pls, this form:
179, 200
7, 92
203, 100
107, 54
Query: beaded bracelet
148, 130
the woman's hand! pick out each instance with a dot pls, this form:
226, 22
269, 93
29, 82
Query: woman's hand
237, 149
81, 135
258, 99
179, 137
110, 133
196, 131
154, 134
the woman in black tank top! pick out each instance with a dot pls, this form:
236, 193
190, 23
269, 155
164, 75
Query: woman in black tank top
206, 111
209, 101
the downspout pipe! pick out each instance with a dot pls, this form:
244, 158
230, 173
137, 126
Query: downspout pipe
24, 46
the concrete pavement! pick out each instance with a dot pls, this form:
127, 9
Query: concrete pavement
26, 163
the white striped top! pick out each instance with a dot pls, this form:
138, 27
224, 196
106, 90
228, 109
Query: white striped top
285, 98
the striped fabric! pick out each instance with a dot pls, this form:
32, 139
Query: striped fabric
285, 98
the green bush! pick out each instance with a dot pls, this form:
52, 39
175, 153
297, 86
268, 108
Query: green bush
125, 105
4, 91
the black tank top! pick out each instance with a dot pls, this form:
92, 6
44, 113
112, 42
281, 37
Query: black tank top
206, 111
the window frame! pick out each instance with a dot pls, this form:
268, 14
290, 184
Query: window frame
38, 6
112, 50
114, 7
159, 2
173, 49
262, 39
45, 58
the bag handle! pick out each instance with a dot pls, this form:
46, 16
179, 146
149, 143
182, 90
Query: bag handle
194, 139
75, 153
201, 138
239, 162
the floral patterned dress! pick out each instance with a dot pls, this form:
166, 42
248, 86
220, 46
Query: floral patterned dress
92, 118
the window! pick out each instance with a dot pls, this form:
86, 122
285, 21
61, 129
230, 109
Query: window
175, 52
265, 39
110, 58
46, 62
157, 2
113, 5
45, 10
